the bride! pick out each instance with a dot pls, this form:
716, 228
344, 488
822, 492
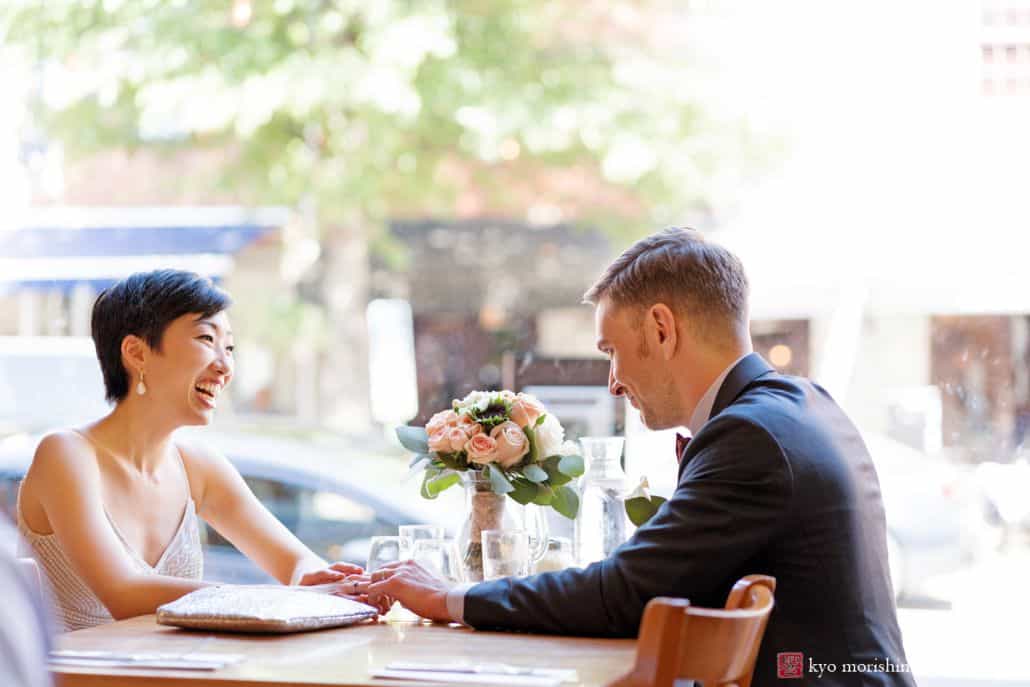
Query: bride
110, 509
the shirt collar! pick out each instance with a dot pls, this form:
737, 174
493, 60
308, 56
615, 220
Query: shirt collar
704, 406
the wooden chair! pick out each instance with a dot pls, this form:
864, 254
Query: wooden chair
716, 647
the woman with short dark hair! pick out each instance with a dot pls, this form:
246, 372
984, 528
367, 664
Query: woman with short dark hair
111, 509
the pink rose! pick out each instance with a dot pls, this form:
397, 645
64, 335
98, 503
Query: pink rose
481, 449
457, 438
512, 443
470, 426
439, 442
443, 419
525, 409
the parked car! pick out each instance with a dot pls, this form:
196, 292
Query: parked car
1003, 489
933, 523
333, 502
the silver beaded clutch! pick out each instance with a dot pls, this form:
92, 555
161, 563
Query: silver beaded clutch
262, 609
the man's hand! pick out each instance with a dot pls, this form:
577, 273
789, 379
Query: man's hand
419, 590
334, 573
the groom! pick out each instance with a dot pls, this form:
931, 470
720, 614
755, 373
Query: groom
776, 481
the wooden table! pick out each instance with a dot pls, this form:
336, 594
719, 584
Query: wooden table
343, 656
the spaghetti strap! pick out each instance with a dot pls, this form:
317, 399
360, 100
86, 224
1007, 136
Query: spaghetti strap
185, 472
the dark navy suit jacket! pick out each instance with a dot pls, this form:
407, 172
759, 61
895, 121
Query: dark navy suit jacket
778, 482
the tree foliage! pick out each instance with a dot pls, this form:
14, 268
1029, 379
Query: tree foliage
385, 108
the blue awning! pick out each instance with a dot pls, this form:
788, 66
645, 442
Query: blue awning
63, 248
50, 242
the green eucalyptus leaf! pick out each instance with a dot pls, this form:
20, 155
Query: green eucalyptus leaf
544, 495
413, 438
498, 482
555, 477
534, 453
640, 510
524, 490
571, 465
566, 502
535, 473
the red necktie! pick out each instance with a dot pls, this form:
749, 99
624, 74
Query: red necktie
681, 446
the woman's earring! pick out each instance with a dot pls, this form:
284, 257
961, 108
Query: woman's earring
141, 388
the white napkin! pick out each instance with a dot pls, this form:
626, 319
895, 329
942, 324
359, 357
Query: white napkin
115, 659
482, 674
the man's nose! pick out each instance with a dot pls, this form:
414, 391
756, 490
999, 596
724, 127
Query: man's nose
614, 388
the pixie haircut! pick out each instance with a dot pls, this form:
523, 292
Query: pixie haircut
143, 305
700, 281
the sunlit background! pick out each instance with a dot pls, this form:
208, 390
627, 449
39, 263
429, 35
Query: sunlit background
407, 200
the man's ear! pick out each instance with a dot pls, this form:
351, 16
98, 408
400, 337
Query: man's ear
134, 354
665, 328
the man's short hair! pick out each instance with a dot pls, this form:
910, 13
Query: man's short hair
699, 280
144, 304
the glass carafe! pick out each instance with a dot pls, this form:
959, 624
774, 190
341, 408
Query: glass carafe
602, 524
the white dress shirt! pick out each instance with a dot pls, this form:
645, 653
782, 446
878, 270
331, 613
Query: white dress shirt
704, 407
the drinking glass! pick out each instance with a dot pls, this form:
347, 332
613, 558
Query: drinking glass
558, 556
383, 550
440, 556
505, 553
412, 534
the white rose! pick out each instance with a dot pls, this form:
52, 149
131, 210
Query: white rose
475, 400
549, 437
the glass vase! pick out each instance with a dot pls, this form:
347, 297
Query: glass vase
486, 510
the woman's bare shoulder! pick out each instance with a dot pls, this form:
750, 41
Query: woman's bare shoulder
63, 450
64, 463
203, 462
198, 454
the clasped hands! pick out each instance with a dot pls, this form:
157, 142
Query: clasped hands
421, 591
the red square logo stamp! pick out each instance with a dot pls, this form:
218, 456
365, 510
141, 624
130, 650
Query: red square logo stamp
790, 665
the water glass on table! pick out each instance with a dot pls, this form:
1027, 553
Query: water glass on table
505, 553
439, 556
383, 550
558, 556
412, 534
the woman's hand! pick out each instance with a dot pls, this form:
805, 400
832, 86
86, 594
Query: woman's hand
353, 586
336, 572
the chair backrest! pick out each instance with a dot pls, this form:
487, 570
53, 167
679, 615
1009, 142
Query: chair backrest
29, 570
717, 647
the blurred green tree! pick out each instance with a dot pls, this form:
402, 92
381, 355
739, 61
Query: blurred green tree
357, 112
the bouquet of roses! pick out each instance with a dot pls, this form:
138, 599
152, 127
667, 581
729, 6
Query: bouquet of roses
508, 438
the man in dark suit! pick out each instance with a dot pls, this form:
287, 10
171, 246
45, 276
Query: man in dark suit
776, 481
